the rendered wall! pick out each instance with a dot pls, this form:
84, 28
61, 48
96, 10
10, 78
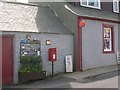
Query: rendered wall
70, 21
92, 45
63, 43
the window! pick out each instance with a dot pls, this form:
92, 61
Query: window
108, 39
116, 6
91, 3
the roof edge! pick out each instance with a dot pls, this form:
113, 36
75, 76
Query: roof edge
98, 19
89, 17
36, 32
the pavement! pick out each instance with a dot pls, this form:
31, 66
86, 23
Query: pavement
92, 72
75, 79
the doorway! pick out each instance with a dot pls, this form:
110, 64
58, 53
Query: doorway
7, 60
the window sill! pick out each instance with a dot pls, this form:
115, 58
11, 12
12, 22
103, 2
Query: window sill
108, 52
91, 7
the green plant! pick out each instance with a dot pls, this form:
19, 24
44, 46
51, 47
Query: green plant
25, 59
36, 59
31, 68
36, 68
25, 68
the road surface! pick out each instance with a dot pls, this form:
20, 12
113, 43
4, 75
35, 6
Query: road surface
107, 80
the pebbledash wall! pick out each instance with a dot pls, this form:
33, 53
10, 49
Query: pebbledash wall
41, 23
62, 42
92, 45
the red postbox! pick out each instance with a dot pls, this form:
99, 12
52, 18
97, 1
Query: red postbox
52, 54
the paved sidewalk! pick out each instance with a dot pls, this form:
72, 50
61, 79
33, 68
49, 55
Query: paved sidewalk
92, 72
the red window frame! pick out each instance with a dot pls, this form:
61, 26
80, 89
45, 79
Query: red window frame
112, 37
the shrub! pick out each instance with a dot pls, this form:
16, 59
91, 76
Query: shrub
25, 59
36, 59
31, 68
36, 68
25, 68
30, 64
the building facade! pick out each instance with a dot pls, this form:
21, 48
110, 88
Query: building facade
95, 44
40, 23
111, 5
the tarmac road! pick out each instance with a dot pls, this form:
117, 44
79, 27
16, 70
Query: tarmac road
106, 80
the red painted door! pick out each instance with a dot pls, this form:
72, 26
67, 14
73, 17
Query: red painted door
7, 60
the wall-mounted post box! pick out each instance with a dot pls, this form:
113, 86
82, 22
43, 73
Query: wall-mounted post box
52, 54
